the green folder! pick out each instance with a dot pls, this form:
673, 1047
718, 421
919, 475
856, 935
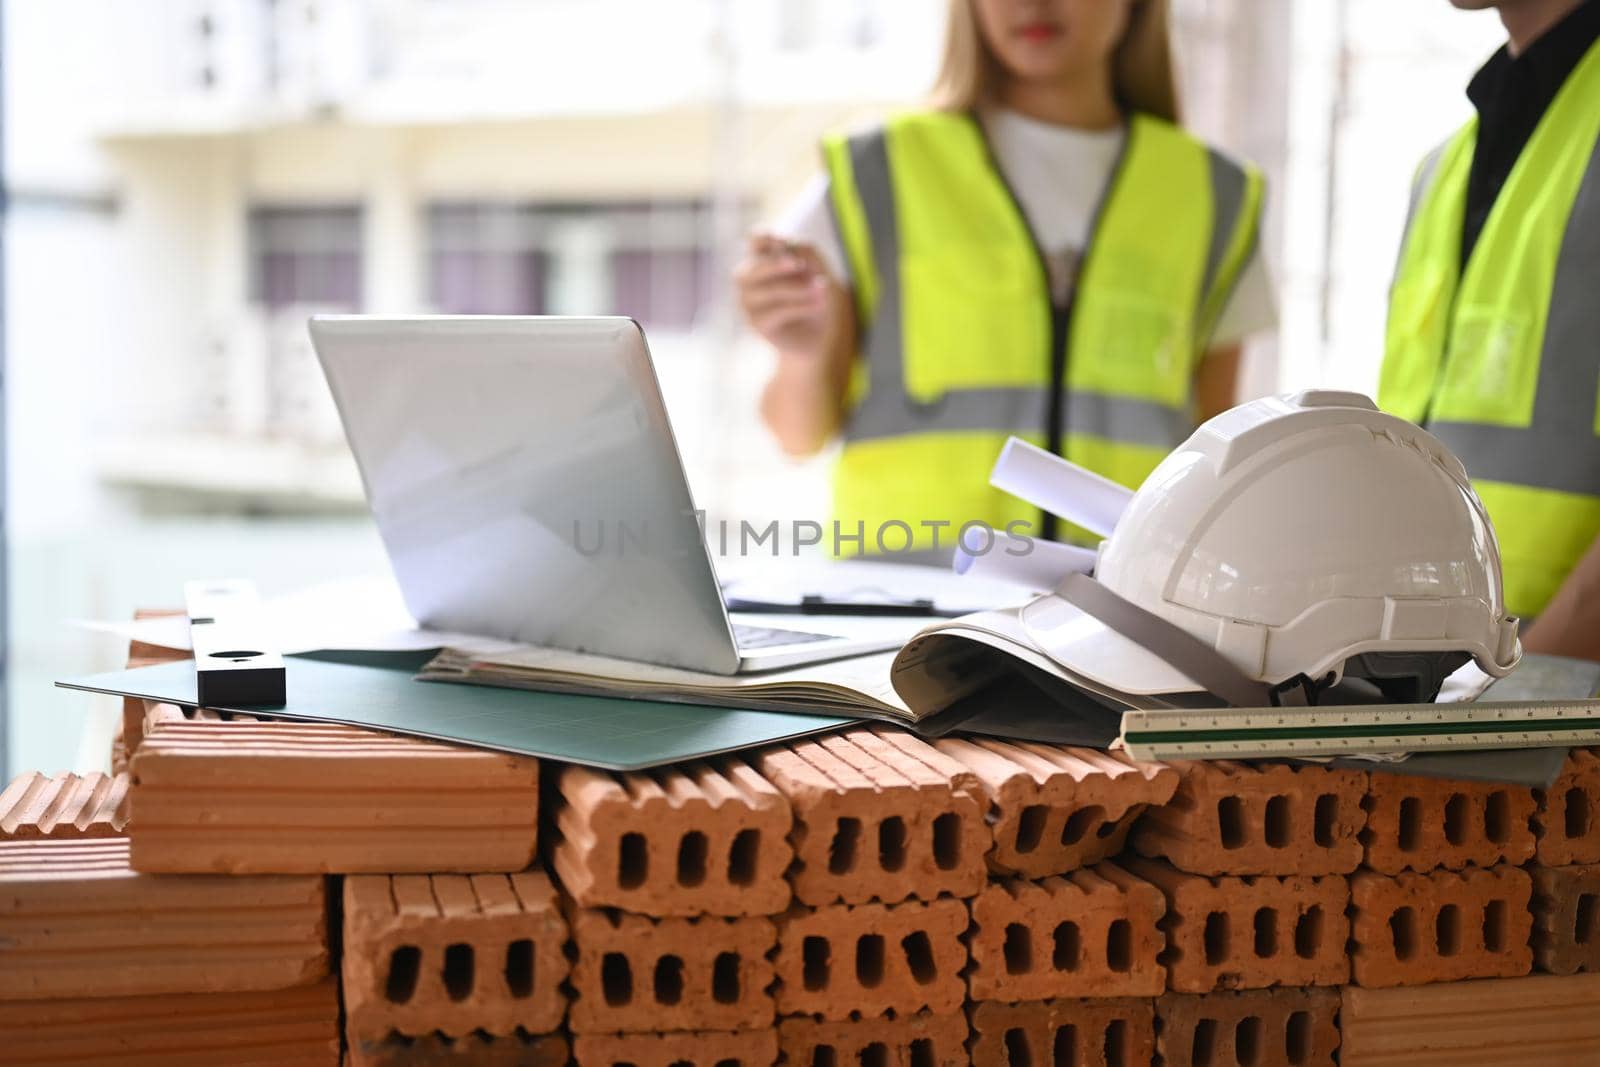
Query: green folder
605, 732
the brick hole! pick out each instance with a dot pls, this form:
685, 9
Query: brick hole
1494, 926
725, 978
730, 1062
1064, 1052
815, 963
1247, 1041
869, 960
1266, 933
842, 850
1325, 818
1068, 947
1410, 824
892, 843
1308, 932
692, 858
1018, 1053
1297, 1039
458, 971
1018, 949
824, 1056
1030, 827
1216, 938
1577, 812
1203, 1049
633, 861
1230, 822
1586, 919
1455, 819
1116, 1049
1403, 931
1079, 822
947, 841
922, 1053
1119, 946
616, 979
1447, 930
874, 1055
742, 857
519, 968
919, 957
1277, 822
405, 963
1497, 817
668, 980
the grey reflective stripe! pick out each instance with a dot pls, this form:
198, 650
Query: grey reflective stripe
1560, 450
1422, 183
887, 410
1228, 184
1022, 410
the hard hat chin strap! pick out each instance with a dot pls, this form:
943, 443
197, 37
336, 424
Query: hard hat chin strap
1220, 676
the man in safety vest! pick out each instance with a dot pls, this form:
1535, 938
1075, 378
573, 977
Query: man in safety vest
1494, 318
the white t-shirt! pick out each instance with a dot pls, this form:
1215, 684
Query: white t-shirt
1059, 175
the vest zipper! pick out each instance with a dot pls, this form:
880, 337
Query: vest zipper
1060, 317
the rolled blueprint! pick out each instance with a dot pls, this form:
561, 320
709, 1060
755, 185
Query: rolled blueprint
1024, 561
1059, 486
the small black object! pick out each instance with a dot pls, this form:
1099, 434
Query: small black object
235, 659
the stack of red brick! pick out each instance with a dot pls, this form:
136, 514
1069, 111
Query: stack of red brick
266, 892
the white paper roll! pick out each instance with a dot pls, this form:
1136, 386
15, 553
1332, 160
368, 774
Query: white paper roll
1059, 486
1024, 561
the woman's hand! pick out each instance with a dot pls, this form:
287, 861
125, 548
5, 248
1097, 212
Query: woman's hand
783, 291
789, 298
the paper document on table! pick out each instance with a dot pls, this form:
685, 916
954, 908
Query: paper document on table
858, 685
354, 615
1029, 563
827, 586
1060, 487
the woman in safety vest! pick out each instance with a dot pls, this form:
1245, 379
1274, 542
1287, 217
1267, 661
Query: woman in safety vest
1043, 253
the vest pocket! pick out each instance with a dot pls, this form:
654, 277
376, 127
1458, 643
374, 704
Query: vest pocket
1490, 372
974, 316
1128, 344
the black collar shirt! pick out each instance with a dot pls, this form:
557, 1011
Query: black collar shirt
1512, 95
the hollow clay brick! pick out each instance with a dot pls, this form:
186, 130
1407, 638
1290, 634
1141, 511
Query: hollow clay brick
737, 1048
1539, 1021
1566, 918
1251, 932
1567, 821
1114, 1032
1442, 926
1245, 1028
119, 753
76, 921
474, 1050
879, 815
1089, 933
872, 958
68, 806
299, 1026
926, 1039
238, 797
1228, 817
1054, 809
1419, 824
144, 655
453, 953
636, 974
708, 838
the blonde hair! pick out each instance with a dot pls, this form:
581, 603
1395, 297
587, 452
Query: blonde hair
1142, 73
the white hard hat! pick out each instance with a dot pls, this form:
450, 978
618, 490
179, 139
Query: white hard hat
1290, 535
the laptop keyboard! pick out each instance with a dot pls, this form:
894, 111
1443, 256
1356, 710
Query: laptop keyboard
747, 636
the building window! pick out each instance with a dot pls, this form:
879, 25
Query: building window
647, 260
306, 256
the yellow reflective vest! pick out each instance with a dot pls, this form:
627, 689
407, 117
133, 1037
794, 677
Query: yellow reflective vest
959, 341
1501, 359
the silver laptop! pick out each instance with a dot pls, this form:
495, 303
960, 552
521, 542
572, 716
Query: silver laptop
527, 485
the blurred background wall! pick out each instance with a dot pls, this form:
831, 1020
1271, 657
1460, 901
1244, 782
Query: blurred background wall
190, 179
